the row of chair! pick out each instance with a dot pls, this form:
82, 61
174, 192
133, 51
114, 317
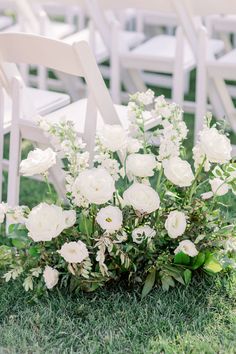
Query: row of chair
131, 53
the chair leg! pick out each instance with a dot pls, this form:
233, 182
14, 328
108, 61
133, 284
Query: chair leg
178, 73
13, 190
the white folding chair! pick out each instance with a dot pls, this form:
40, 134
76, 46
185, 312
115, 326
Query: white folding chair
76, 59
162, 53
211, 71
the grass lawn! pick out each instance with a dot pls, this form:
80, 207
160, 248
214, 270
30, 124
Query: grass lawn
198, 319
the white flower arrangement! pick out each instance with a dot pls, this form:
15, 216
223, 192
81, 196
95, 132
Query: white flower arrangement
142, 213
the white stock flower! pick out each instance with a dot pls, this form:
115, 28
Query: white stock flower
46, 222
113, 137
74, 252
145, 98
133, 145
187, 247
110, 218
51, 277
215, 146
178, 172
142, 198
38, 162
176, 224
141, 233
95, 185
219, 187
141, 165
112, 166
199, 157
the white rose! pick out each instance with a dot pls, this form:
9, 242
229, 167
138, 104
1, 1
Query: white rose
187, 247
133, 145
110, 218
142, 198
46, 222
176, 224
113, 137
143, 232
51, 277
38, 162
74, 252
219, 187
216, 146
141, 165
178, 172
95, 185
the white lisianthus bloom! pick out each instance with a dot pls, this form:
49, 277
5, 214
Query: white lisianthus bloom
141, 233
74, 252
219, 187
3, 210
95, 185
38, 162
113, 137
110, 218
178, 172
187, 247
142, 198
207, 195
141, 165
215, 146
133, 145
51, 277
176, 224
46, 222
70, 217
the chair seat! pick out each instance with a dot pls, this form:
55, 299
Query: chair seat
224, 67
131, 39
44, 103
5, 21
76, 112
58, 30
162, 48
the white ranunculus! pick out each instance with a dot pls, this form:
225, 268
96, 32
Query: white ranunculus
38, 162
141, 165
51, 277
110, 218
142, 198
215, 145
143, 232
46, 222
178, 172
74, 252
113, 137
95, 185
133, 145
219, 187
176, 224
187, 247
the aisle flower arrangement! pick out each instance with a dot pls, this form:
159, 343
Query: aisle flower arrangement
142, 213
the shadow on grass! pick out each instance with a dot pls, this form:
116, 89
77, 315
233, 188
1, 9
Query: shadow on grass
197, 319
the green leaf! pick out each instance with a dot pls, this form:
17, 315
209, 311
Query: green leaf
34, 251
85, 225
19, 244
212, 265
187, 276
167, 281
182, 258
149, 283
198, 260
